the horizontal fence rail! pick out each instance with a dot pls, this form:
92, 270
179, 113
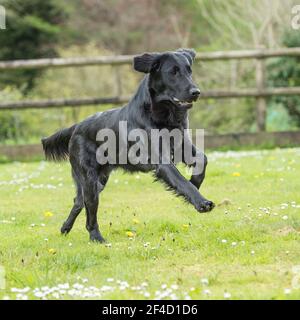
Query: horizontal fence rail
215, 94
127, 59
58, 103
65, 62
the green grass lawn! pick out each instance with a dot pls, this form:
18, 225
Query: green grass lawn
248, 247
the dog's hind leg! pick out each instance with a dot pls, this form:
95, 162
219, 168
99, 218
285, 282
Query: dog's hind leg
91, 177
91, 189
77, 207
94, 182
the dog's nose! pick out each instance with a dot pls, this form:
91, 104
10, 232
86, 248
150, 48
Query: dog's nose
195, 92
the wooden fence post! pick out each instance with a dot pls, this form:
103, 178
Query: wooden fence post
261, 104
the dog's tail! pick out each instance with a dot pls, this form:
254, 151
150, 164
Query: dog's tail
56, 147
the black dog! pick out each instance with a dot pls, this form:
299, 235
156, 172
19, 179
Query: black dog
161, 101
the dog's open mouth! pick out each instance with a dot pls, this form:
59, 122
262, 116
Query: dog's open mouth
185, 104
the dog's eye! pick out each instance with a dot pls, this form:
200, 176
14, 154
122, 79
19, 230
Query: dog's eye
188, 68
175, 70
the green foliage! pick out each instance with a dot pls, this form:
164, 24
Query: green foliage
285, 72
279, 119
11, 122
219, 116
223, 116
33, 28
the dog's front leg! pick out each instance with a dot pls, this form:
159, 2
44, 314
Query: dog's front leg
197, 159
169, 174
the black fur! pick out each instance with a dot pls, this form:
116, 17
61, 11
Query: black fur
168, 76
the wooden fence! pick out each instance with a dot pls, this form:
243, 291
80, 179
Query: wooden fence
261, 92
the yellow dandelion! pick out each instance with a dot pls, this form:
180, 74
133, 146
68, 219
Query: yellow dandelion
136, 221
52, 251
236, 174
48, 214
130, 234
185, 226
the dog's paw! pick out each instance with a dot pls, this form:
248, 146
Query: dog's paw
95, 236
205, 206
65, 229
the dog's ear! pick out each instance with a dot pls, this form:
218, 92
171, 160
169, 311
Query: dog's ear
190, 54
146, 62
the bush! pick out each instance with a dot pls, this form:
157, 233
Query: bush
11, 121
32, 32
285, 72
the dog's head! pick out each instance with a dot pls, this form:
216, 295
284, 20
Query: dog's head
170, 76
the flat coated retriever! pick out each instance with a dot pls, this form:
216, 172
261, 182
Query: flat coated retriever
162, 101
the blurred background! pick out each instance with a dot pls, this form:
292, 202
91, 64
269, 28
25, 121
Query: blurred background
87, 28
